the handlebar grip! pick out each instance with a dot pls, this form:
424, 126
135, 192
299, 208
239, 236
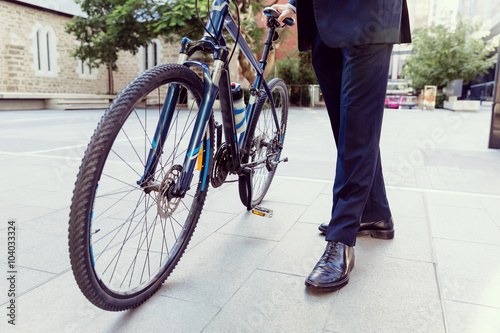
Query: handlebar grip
268, 11
289, 21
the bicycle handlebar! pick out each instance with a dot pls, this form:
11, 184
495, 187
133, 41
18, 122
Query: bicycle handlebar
271, 12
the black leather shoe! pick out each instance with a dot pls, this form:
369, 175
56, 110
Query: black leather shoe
333, 269
383, 229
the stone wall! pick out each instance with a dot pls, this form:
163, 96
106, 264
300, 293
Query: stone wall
24, 63
19, 63
18, 54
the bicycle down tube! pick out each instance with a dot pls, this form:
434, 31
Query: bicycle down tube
219, 18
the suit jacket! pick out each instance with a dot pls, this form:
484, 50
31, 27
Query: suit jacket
343, 23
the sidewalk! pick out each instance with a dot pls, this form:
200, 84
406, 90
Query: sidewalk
243, 273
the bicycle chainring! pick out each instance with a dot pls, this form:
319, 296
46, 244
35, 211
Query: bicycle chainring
219, 170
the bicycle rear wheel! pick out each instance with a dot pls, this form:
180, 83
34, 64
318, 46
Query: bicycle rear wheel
124, 240
265, 141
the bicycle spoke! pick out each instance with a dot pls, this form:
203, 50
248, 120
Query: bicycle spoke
266, 143
133, 148
135, 235
126, 163
118, 254
107, 209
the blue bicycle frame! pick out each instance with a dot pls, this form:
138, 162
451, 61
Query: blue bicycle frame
216, 83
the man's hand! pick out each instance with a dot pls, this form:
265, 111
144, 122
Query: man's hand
285, 12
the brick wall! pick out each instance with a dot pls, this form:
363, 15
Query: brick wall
129, 66
18, 60
18, 54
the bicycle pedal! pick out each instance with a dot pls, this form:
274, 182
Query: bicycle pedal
280, 161
261, 211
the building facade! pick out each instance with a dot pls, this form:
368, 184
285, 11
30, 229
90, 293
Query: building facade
36, 64
488, 10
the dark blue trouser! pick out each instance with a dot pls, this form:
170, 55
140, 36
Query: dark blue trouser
354, 82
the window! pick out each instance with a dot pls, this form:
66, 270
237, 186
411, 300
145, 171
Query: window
47, 37
150, 55
84, 70
44, 51
39, 62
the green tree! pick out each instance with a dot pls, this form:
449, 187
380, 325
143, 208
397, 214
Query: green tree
442, 54
111, 26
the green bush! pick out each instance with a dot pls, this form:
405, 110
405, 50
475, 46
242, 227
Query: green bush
300, 96
297, 72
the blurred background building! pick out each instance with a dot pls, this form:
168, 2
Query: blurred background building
37, 69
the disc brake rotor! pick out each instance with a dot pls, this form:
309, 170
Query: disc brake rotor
165, 202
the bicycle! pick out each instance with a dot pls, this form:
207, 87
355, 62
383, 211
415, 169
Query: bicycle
143, 179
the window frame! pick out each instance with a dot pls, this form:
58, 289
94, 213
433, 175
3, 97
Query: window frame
44, 51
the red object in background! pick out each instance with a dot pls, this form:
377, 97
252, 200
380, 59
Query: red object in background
394, 101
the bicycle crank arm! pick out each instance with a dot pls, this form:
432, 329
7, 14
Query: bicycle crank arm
263, 160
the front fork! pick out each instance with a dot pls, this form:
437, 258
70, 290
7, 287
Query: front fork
210, 92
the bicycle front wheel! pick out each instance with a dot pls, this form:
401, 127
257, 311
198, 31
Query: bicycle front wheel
124, 239
265, 141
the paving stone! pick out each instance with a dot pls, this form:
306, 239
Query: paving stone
158, 314
388, 295
466, 317
469, 272
411, 241
56, 306
319, 211
246, 272
273, 302
40, 251
215, 269
22, 212
296, 192
208, 224
406, 203
26, 280
492, 206
251, 225
454, 200
225, 199
55, 223
298, 251
466, 224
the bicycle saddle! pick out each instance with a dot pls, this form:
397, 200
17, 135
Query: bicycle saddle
268, 11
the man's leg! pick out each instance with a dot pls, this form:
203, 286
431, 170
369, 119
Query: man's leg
364, 83
358, 171
377, 206
328, 64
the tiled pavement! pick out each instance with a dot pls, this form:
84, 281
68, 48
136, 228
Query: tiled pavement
243, 273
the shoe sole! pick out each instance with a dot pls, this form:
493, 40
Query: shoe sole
330, 286
379, 234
